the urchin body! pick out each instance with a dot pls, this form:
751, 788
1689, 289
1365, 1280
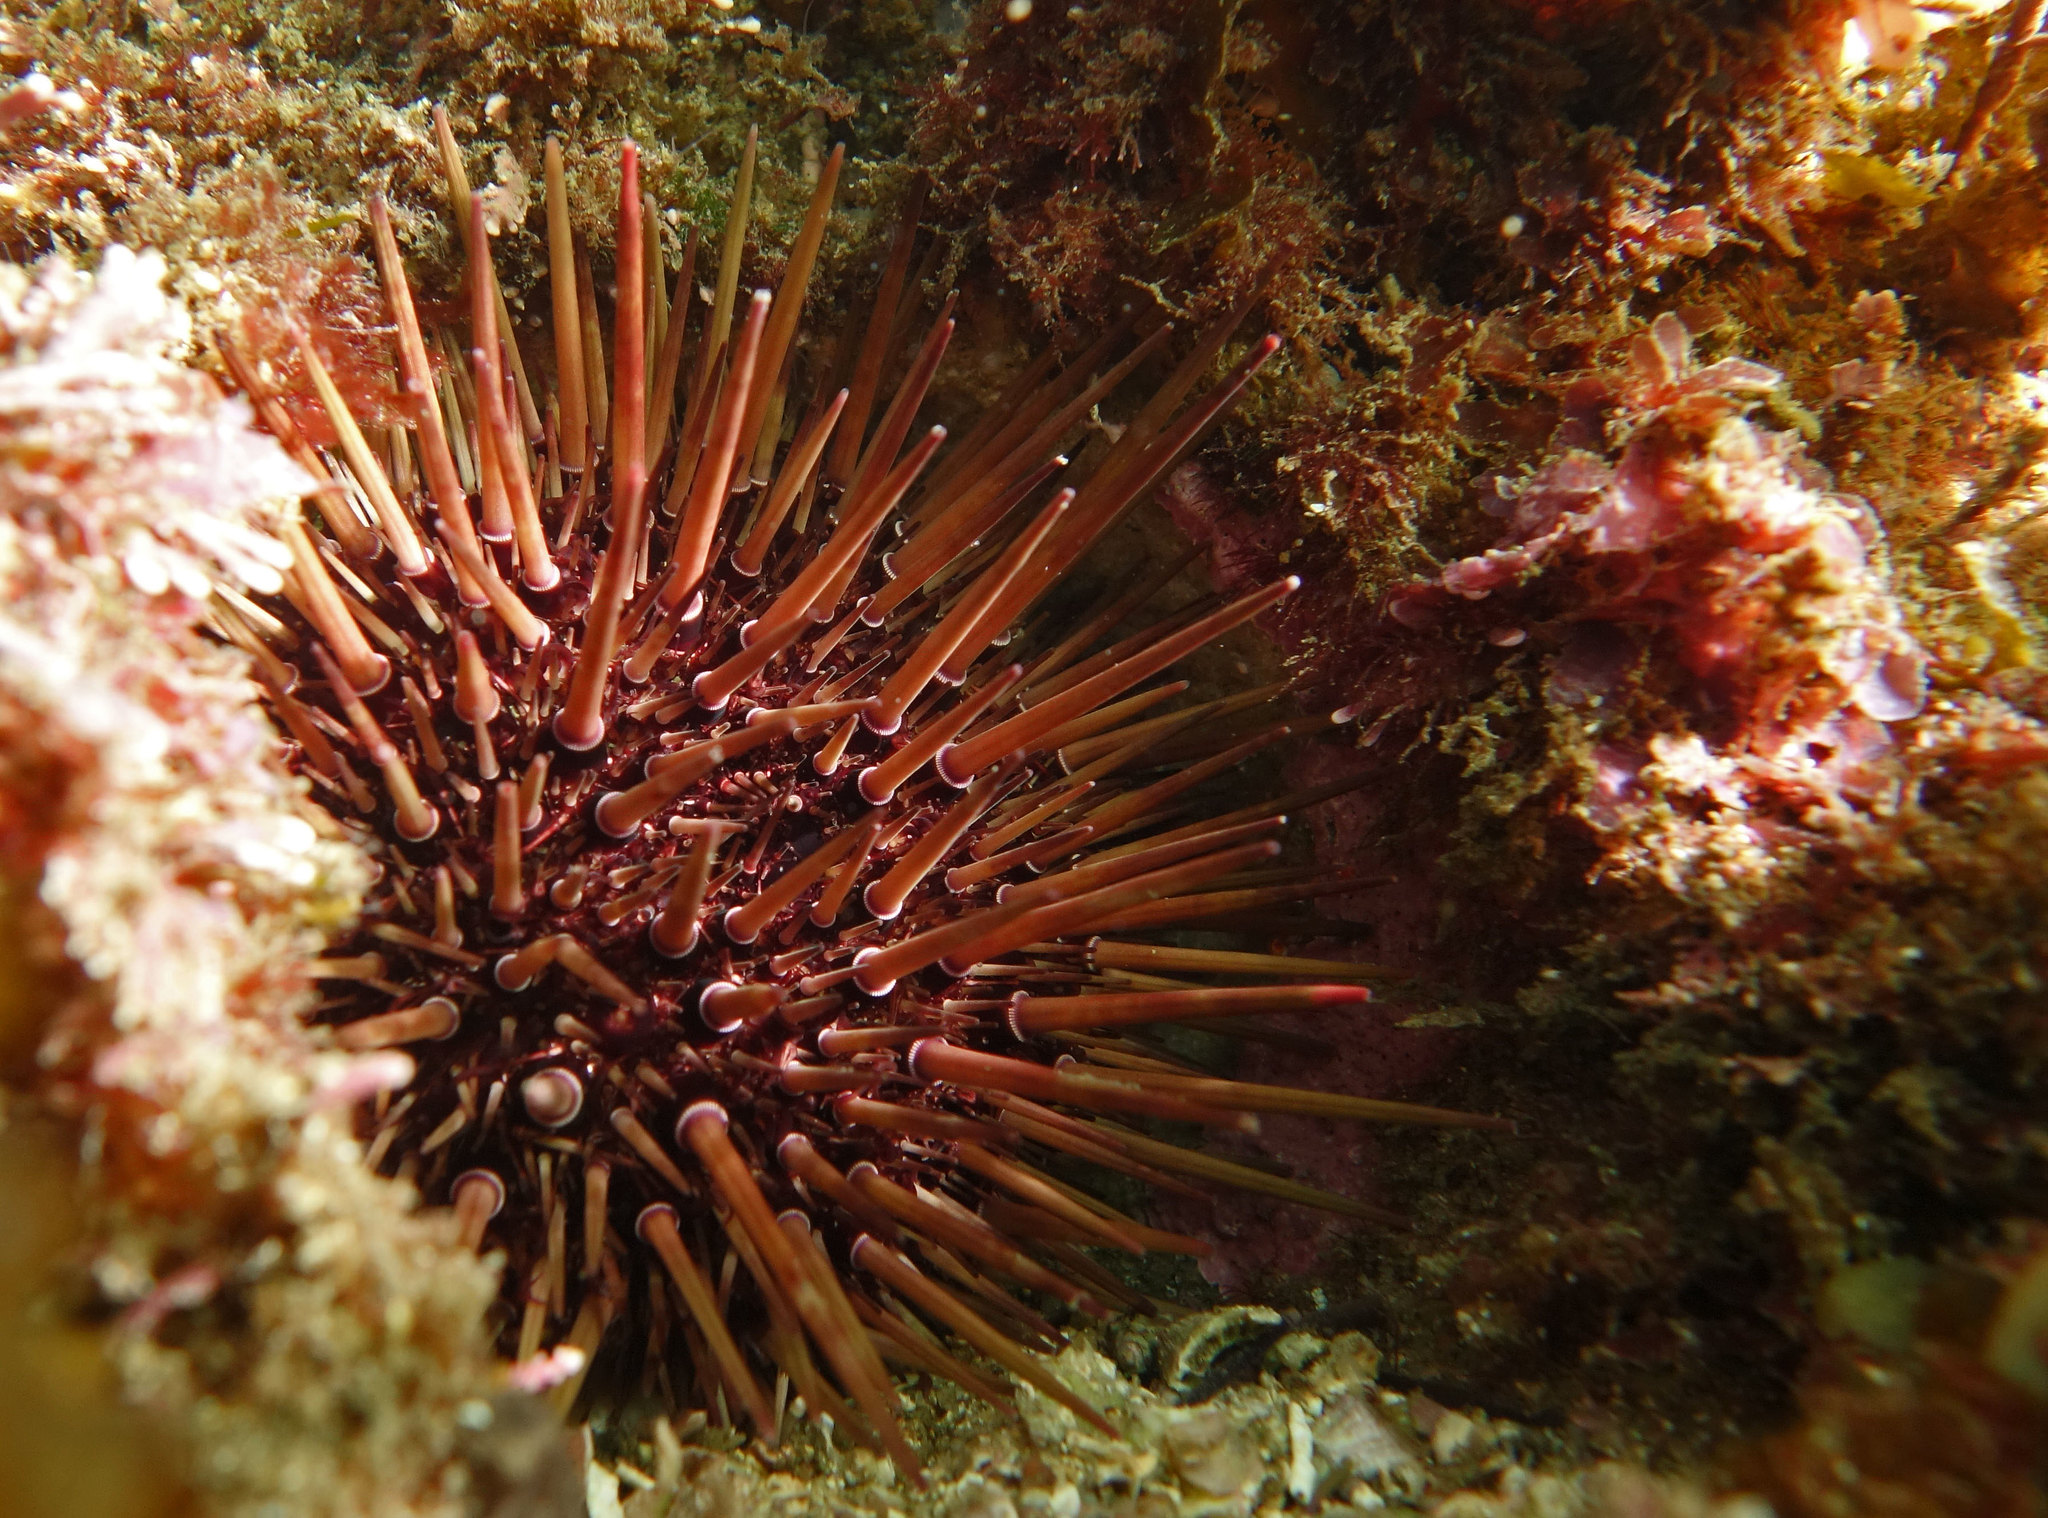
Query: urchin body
734, 881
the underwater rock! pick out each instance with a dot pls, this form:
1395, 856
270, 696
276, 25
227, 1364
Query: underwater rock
1701, 712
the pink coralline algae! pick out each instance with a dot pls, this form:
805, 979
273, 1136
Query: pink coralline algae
1707, 558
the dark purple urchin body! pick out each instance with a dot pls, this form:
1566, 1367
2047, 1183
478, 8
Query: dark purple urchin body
741, 904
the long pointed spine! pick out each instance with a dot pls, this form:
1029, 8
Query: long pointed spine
595, 394
1027, 729
1112, 612
708, 490
1114, 813
874, 347
1030, 1016
789, 301
812, 592
444, 483
784, 621
367, 670
1035, 395
1106, 719
574, 432
1061, 916
675, 930
797, 467
1104, 499
880, 453
964, 519
879, 782
399, 536
940, 644
458, 203
894, 1271
743, 923
1164, 959
580, 723
508, 891
718, 330
657, 1225
703, 1128
661, 394
654, 301
416, 819
1097, 873
537, 568
886, 896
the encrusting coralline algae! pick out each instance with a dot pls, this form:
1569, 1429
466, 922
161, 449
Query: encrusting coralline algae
178, 877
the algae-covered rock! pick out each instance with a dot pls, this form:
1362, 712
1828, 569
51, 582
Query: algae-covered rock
1657, 435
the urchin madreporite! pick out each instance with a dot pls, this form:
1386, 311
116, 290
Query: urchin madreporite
753, 902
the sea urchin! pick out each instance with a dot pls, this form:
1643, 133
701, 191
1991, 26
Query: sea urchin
735, 887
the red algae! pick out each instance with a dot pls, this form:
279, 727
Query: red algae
1704, 543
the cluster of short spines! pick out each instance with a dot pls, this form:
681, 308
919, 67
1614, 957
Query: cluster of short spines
742, 876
